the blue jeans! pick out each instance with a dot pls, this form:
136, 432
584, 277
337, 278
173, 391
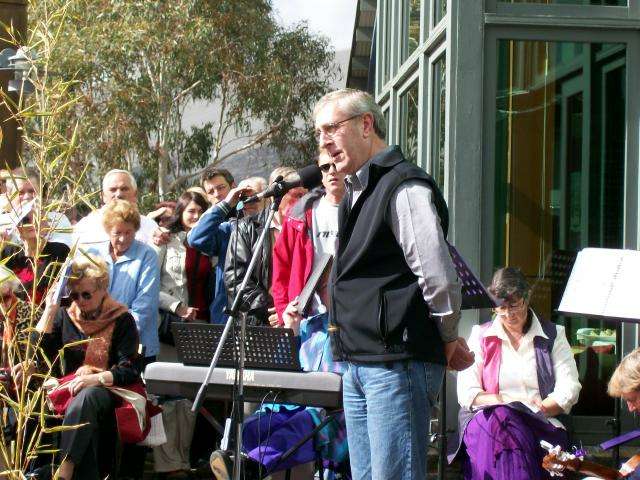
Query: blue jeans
387, 408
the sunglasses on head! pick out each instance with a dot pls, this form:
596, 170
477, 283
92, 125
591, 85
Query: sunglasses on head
326, 167
85, 295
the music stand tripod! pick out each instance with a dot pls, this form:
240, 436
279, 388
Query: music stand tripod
234, 315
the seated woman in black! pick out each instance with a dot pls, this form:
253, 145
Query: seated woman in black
109, 359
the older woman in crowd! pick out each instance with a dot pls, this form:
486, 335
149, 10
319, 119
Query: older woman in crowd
523, 378
15, 317
39, 243
110, 358
134, 274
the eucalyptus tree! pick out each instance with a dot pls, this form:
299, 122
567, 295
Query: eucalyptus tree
139, 64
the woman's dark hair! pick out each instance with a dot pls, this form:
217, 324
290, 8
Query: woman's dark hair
185, 199
509, 284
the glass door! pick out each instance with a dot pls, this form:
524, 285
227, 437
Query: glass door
560, 126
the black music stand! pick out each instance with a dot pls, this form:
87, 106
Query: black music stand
474, 296
602, 286
235, 314
265, 347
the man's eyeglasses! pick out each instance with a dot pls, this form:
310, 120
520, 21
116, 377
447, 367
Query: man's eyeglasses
330, 129
85, 295
326, 167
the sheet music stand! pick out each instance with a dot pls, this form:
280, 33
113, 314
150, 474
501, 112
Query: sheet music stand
601, 286
474, 296
265, 347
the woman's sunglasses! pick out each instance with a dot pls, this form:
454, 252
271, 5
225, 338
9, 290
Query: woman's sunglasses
85, 295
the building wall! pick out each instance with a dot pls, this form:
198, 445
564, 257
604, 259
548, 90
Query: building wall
526, 114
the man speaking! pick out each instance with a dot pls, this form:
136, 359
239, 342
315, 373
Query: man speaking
395, 293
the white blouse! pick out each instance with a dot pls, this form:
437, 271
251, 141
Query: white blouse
518, 376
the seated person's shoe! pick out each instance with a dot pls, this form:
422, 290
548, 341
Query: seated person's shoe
221, 465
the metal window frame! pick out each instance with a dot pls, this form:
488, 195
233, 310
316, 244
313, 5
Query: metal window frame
555, 10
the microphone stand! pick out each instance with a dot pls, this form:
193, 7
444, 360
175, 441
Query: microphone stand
234, 313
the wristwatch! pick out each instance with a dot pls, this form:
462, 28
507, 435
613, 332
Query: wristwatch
102, 379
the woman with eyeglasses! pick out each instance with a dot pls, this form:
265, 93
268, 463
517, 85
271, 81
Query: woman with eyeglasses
523, 381
109, 359
133, 270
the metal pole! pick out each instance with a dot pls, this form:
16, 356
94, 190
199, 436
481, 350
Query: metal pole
442, 429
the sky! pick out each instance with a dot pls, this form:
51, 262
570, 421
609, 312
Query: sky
332, 18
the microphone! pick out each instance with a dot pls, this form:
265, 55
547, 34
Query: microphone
308, 177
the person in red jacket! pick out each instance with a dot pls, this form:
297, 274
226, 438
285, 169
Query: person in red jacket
309, 231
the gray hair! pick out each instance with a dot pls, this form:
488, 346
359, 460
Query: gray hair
509, 283
355, 102
117, 171
21, 173
283, 172
626, 378
257, 183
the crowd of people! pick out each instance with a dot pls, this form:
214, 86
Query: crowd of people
132, 275
384, 314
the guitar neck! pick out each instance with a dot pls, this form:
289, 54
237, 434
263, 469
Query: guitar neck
593, 469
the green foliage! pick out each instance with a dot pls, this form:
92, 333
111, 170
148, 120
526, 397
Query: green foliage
139, 64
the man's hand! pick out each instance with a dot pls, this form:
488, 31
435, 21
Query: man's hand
186, 312
459, 357
161, 236
292, 317
233, 197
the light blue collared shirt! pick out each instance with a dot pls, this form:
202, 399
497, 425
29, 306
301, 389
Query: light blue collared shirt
134, 280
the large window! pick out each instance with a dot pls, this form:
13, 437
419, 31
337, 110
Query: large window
438, 122
560, 155
440, 10
413, 27
387, 41
409, 123
573, 2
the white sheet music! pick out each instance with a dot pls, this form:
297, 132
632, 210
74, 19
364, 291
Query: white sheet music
604, 282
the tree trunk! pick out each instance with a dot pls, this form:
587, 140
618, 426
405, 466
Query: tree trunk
163, 163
